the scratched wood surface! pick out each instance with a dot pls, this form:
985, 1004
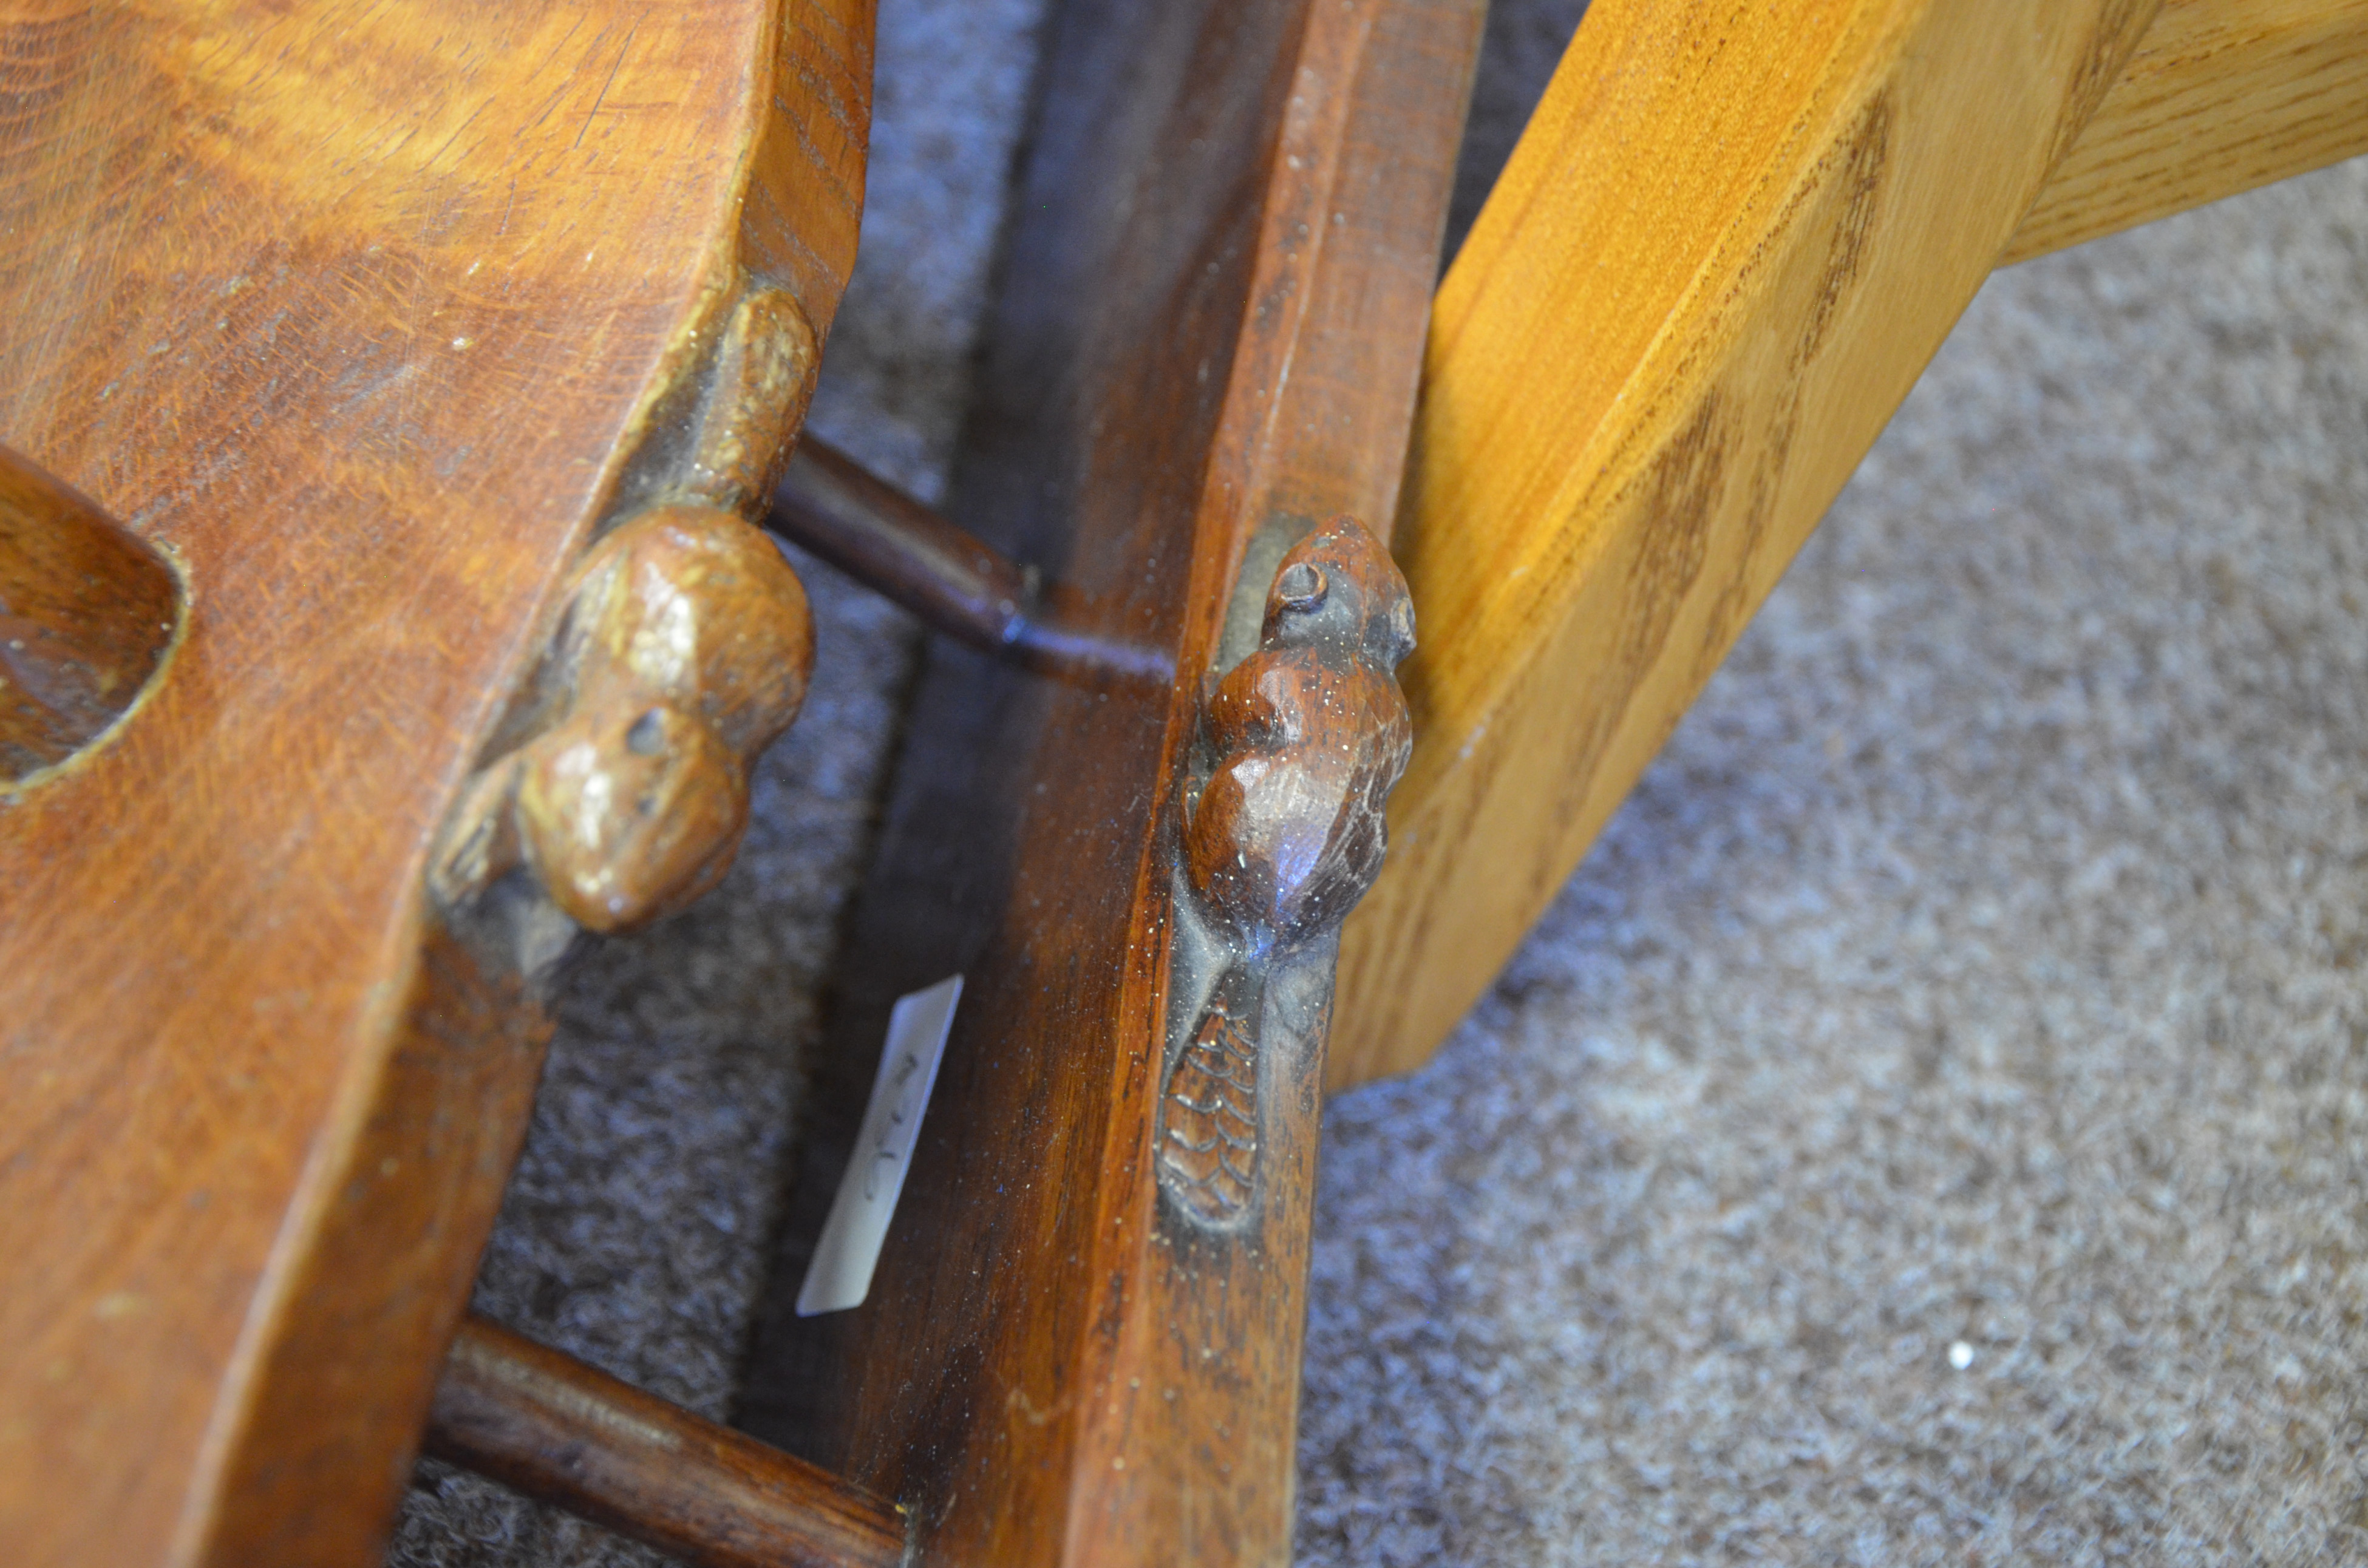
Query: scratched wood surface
1722, 253
2222, 95
359, 315
1053, 1365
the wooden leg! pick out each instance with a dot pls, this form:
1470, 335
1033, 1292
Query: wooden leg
2222, 95
1723, 252
1077, 1349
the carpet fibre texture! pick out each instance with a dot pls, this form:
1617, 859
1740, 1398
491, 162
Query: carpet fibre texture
1932, 1126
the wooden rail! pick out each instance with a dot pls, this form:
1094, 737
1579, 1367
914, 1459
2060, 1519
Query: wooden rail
954, 582
1081, 1345
543, 1423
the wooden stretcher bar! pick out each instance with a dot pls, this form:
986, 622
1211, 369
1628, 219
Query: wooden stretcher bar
546, 1424
270, 1060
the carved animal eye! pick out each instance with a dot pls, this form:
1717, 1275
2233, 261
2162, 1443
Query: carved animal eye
1300, 586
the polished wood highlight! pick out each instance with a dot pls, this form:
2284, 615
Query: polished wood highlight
86, 613
954, 582
368, 319
1723, 250
1307, 735
1283, 830
2221, 96
544, 1423
1056, 1364
683, 653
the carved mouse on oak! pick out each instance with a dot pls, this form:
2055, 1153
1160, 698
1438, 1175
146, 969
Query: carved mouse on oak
1309, 732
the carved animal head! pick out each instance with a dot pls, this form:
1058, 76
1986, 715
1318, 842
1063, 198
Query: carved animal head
684, 652
1338, 586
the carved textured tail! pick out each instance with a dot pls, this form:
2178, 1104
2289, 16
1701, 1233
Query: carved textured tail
1209, 1113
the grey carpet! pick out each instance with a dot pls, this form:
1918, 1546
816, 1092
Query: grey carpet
1931, 1125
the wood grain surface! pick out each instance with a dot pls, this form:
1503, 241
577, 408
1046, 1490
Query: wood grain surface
364, 316
1722, 253
2222, 95
1208, 343
87, 613
543, 1423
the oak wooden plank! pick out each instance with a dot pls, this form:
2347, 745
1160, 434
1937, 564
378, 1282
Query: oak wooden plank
2221, 96
1209, 343
1724, 248
361, 315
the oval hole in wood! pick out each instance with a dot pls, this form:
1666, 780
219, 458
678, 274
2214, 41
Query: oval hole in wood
86, 613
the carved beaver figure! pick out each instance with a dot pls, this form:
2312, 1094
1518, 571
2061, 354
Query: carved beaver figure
1310, 732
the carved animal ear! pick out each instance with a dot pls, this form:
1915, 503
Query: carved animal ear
1300, 586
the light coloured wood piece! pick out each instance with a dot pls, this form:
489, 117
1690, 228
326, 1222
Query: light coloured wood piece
368, 319
2222, 95
1726, 247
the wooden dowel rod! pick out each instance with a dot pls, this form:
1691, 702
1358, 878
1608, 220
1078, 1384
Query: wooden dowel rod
544, 1423
955, 582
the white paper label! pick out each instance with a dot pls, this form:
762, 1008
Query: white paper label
841, 1275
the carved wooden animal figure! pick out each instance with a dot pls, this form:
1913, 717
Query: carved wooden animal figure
1309, 732
624, 780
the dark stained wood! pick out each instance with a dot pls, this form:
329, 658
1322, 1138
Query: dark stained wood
1731, 239
1309, 732
1283, 832
369, 320
346, 1398
954, 582
86, 612
1208, 342
543, 1423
